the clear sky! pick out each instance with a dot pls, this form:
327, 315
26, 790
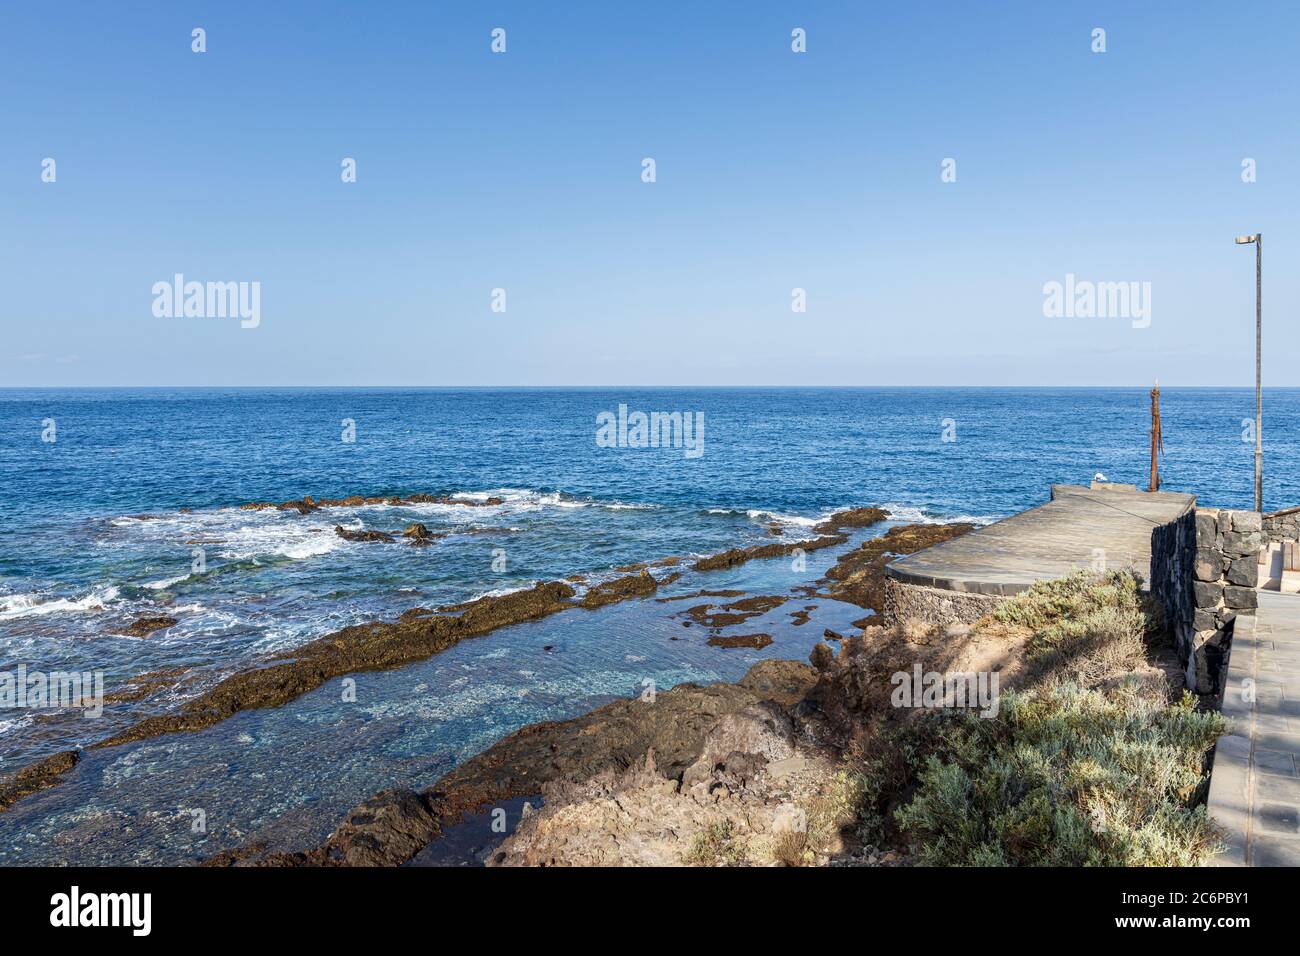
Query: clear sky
523, 171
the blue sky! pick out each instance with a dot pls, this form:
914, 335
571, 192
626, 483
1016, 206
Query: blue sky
522, 171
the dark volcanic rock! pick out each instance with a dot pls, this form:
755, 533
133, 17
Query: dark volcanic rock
1240, 598
620, 589
419, 534
388, 827
737, 612
144, 626
1244, 572
1206, 594
362, 647
859, 576
729, 559
741, 640
308, 504
853, 518
386, 830
699, 594
349, 535
37, 776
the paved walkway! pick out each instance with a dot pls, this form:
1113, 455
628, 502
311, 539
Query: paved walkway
1047, 542
1255, 788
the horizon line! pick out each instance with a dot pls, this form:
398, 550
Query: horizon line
17, 388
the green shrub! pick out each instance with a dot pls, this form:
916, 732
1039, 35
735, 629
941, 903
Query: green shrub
1087, 628
1066, 776
1089, 764
717, 846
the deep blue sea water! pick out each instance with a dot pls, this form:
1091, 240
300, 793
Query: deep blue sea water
93, 535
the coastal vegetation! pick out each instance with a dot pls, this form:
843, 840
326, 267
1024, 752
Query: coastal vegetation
1093, 760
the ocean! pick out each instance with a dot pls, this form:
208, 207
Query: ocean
123, 503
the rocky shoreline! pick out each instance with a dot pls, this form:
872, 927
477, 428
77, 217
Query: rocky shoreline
420, 633
624, 747
390, 827
820, 766
307, 504
37, 776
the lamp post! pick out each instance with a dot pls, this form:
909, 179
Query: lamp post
1258, 240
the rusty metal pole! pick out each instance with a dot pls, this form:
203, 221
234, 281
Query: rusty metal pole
1157, 440
1259, 393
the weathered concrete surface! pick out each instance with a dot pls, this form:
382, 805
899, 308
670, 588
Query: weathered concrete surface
914, 602
1078, 528
1255, 787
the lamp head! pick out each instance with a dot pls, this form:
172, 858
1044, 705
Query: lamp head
1246, 240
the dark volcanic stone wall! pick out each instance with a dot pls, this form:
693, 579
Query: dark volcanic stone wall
1204, 570
1282, 526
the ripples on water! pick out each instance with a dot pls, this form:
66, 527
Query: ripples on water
93, 536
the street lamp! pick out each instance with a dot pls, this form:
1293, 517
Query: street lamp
1258, 240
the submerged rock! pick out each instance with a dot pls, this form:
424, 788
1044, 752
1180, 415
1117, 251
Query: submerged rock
361, 647
853, 518
609, 738
144, 626
737, 556
737, 612
642, 584
37, 776
308, 504
741, 640
386, 830
347, 534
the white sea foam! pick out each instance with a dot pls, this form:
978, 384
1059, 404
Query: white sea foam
506, 493
165, 582
189, 609
798, 520
27, 605
526, 500
501, 592
281, 539
235, 534
909, 514
16, 724
241, 535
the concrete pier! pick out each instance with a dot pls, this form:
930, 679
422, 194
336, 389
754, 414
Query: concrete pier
1078, 528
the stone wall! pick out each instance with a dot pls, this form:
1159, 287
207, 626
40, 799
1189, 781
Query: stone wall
1204, 569
938, 606
1282, 526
